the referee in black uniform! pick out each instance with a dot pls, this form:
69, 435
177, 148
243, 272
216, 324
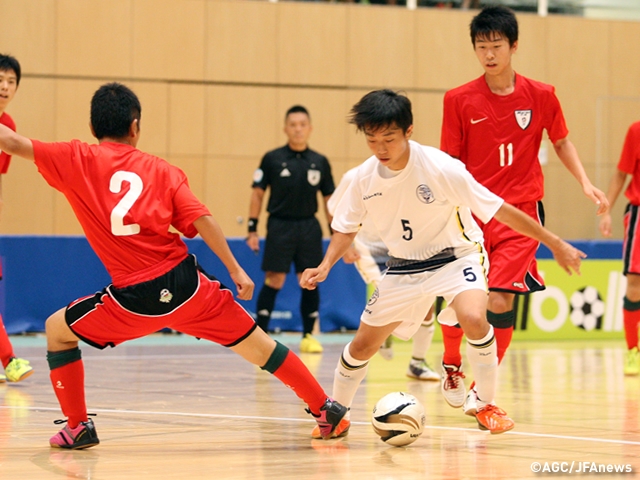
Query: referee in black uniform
295, 174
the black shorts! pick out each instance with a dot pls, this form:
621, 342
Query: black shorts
298, 241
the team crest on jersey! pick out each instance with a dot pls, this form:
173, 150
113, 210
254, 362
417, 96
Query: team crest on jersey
313, 177
523, 117
374, 297
257, 175
165, 295
285, 172
424, 193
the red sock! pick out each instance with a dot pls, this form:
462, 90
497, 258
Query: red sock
503, 340
295, 375
452, 338
68, 384
6, 350
631, 318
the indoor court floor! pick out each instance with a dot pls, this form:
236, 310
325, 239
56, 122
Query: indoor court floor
171, 407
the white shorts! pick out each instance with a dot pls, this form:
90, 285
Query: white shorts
406, 298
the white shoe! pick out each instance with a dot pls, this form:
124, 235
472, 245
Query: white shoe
386, 349
452, 385
470, 406
420, 370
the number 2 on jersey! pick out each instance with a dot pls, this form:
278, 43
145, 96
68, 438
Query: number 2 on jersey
509, 151
118, 213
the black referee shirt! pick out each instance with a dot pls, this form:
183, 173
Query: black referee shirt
294, 178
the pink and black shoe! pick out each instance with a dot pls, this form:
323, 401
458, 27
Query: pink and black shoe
82, 436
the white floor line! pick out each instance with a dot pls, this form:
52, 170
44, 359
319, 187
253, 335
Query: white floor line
301, 420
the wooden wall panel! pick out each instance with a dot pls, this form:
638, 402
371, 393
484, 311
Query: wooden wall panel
381, 47
427, 118
242, 121
228, 190
168, 39
579, 45
186, 119
154, 124
241, 41
311, 49
29, 34
94, 38
444, 53
73, 112
530, 59
624, 62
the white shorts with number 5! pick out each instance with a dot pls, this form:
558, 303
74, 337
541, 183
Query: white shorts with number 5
406, 298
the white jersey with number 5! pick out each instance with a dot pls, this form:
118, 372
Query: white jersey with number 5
423, 211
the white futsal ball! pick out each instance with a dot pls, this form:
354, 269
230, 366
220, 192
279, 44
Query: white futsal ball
587, 308
398, 418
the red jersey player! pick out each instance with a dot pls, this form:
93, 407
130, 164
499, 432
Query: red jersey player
15, 369
126, 201
629, 164
494, 125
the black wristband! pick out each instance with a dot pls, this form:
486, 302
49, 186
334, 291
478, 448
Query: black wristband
252, 225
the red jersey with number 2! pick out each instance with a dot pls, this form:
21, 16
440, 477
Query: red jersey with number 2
498, 137
5, 158
126, 201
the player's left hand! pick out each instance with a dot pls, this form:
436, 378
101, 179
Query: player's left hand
244, 284
568, 257
598, 197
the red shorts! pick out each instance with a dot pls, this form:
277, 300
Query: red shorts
193, 303
512, 256
631, 242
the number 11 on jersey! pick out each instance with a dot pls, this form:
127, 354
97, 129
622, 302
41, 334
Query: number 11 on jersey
510, 153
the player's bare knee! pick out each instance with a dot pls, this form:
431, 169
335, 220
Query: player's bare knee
474, 324
362, 350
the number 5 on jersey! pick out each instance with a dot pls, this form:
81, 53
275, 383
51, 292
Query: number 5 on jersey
118, 213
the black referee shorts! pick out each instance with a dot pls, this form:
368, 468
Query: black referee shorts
292, 240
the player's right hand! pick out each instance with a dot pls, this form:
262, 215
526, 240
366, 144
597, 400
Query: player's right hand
311, 277
605, 225
244, 284
253, 242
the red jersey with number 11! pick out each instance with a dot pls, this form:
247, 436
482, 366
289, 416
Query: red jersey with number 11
498, 137
126, 201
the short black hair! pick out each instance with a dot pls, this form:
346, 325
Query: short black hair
113, 108
7, 62
494, 19
297, 109
381, 108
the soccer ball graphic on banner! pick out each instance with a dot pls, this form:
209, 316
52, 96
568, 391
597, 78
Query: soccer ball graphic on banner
398, 418
587, 308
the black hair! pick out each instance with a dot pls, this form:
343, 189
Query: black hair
380, 109
7, 62
495, 19
297, 109
113, 108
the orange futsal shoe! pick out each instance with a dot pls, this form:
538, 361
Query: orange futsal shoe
494, 419
342, 430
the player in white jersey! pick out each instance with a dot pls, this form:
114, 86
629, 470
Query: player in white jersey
369, 254
420, 201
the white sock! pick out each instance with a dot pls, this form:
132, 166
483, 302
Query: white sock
347, 377
422, 339
482, 355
